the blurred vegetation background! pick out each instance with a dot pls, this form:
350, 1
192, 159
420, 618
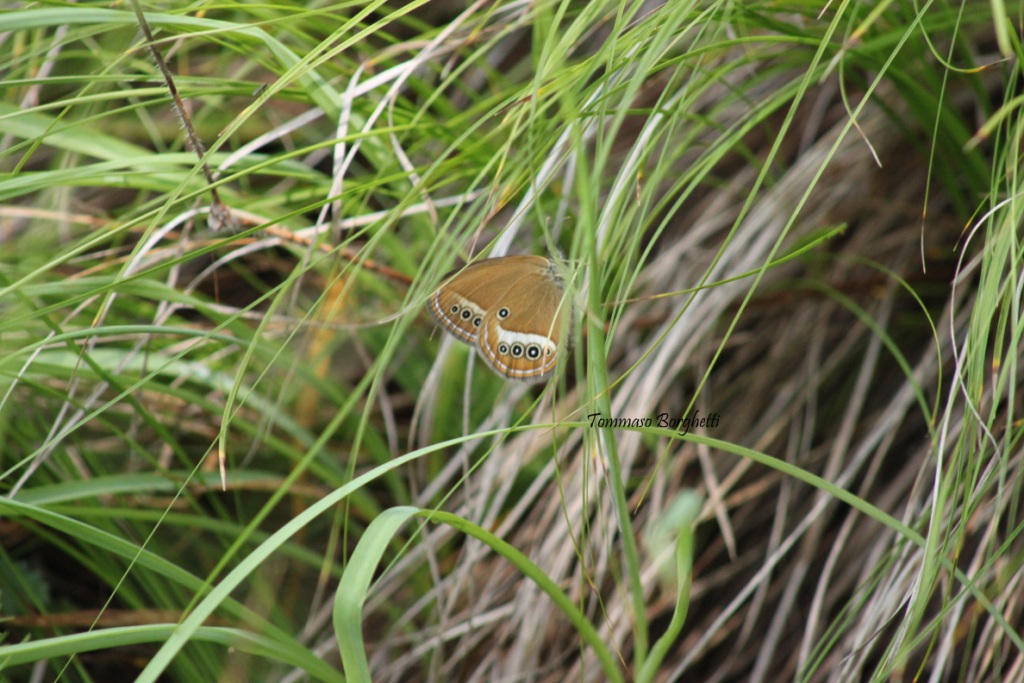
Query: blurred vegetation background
800, 217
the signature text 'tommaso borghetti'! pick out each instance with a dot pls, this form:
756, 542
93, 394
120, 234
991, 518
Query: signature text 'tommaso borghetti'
664, 421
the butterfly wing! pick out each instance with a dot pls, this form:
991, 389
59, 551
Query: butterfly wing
510, 308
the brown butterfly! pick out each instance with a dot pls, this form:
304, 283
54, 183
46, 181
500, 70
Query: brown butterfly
510, 309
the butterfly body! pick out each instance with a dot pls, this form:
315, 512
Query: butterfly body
510, 309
